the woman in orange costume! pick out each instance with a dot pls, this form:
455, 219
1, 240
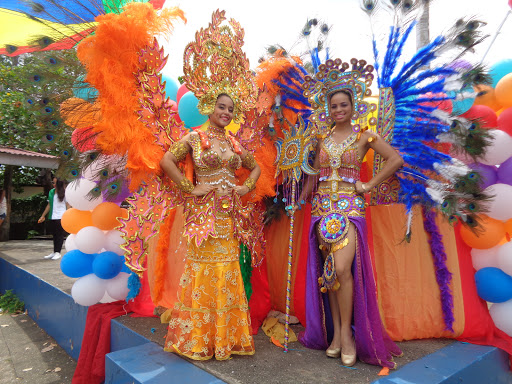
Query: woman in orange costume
211, 316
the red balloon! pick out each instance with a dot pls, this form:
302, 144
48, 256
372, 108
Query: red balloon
485, 114
505, 121
83, 139
444, 105
181, 91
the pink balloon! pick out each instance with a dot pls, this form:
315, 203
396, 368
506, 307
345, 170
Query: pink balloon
181, 91
483, 258
500, 148
499, 206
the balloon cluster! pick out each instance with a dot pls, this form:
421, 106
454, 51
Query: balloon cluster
184, 102
492, 249
94, 255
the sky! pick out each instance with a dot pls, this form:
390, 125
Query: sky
268, 22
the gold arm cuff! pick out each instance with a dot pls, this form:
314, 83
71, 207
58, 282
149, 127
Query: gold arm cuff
250, 183
249, 162
185, 185
179, 150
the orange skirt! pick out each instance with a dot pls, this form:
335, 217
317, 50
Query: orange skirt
211, 316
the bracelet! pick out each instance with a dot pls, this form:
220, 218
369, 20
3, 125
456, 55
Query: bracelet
185, 185
250, 183
249, 162
179, 150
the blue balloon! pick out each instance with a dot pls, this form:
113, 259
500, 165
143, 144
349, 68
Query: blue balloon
189, 114
76, 263
462, 105
83, 90
499, 70
493, 285
107, 265
171, 87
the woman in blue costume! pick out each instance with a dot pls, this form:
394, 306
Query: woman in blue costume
340, 286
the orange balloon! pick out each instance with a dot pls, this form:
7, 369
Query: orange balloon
508, 227
105, 215
74, 220
499, 111
125, 213
504, 91
486, 96
489, 234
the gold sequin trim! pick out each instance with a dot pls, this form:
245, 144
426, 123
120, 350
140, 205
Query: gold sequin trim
179, 150
249, 162
185, 185
250, 183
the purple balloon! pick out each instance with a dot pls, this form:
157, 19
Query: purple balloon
460, 64
488, 173
505, 172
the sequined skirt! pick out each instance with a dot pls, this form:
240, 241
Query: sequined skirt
211, 316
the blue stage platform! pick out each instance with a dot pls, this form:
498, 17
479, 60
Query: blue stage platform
136, 359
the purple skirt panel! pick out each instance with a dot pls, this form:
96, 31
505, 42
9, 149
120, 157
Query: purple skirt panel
373, 344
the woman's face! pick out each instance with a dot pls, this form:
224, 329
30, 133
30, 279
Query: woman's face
223, 112
340, 108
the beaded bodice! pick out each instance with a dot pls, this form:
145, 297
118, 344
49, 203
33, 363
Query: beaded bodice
343, 157
211, 168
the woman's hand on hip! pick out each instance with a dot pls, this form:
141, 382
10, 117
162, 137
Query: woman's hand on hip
202, 189
241, 189
361, 188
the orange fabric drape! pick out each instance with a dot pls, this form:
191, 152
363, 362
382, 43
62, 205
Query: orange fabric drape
175, 264
408, 293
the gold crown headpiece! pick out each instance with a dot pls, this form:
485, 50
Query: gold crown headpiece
215, 64
334, 76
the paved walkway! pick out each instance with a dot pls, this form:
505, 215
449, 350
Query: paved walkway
269, 365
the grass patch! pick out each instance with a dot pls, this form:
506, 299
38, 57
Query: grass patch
9, 302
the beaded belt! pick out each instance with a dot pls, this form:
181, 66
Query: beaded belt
348, 202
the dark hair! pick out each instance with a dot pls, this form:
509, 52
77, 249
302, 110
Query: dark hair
59, 188
345, 92
223, 94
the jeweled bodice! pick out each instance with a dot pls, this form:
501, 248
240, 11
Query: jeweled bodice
211, 168
343, 157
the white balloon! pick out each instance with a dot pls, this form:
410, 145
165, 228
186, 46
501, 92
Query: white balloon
113, 240
500, 207
90, 240
501, 314
107, 299
504, 258
70, 243
88, 290
117, 287
77, 195
500, 148
483, 258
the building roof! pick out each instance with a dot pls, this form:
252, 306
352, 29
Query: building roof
15, 156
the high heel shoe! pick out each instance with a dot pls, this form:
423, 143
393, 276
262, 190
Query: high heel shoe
333, 352
348, 360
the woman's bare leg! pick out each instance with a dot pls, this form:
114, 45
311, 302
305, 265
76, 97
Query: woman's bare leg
343, 259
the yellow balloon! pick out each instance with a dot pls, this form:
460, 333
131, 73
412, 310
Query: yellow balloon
233, 127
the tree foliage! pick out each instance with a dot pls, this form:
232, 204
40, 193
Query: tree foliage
31, 88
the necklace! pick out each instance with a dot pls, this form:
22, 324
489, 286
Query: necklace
219, 134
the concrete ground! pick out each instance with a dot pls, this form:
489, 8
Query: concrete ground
270, 364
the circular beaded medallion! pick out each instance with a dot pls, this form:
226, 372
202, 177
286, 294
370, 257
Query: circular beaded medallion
333, 227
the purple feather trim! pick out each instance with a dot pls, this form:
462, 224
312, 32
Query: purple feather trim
443, 275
